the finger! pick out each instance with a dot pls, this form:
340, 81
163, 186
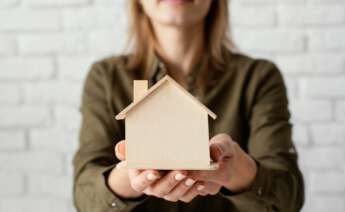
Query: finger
190, 194
121, 165
221, 147
180, 189
140, 180
120, 150
200, 188
164, 185
208, 188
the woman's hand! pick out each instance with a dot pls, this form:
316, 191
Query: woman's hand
131, 183
237, 170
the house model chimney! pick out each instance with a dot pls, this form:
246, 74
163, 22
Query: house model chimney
139, 89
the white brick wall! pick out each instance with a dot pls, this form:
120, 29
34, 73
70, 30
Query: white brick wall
46, 48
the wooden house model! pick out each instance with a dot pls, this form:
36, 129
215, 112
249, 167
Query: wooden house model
166, 128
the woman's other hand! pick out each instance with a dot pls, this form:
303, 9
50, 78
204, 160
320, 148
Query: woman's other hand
237, 170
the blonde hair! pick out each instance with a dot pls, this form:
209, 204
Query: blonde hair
142, 39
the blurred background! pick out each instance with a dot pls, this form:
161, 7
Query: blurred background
47, 47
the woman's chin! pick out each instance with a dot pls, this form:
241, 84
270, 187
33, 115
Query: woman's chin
176, 2
179, 13
178, 21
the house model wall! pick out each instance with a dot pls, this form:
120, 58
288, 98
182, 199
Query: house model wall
166, 128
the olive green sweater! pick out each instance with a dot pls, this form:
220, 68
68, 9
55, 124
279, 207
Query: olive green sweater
249, 97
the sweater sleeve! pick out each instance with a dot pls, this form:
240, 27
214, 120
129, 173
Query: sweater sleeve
95, 157
279, 184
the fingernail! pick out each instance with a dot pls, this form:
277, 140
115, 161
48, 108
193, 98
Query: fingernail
120, 165
151, 177
189, 182
200, 187
179, 177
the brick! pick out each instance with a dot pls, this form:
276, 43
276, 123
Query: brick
33, 204
8, 3
10, 93
50, 186
7, 45
311, 15
114, 4
74, 68
24, 116
94, 17
300, 134
327, 202
52, 43
22, 19
69, 161
292, 86
272, 2
330, 63
326, 134
306, 111
323, 182
102, 41
319, 158
56, 3
327, 39
340, 111
325, 2
53, 92
294, 64
31, 162
57, 140
270, 40
12, 140
17, 68
323, 87
68, 118
11, 184
311, 64
253, 16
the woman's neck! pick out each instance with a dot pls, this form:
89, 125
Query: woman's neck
179, 48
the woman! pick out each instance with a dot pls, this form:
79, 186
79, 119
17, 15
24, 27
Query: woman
251, 139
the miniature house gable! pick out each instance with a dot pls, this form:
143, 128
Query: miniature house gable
166, 128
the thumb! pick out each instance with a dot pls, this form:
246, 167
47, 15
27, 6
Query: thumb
220, 147
120, 150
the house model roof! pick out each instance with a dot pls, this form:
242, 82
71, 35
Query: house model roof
165, 79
